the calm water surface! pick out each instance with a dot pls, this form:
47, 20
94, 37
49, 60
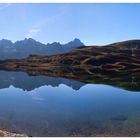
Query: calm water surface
48, 106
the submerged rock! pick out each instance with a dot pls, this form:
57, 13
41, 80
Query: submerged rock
119, 118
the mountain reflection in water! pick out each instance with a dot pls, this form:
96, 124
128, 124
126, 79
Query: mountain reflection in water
25, 82
29, 82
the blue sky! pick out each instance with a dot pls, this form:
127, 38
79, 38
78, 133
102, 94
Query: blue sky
91, 23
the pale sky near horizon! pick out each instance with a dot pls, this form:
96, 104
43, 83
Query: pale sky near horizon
91, 23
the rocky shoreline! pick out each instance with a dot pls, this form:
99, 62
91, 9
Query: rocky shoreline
10, 134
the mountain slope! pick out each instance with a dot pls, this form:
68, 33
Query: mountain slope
110, 58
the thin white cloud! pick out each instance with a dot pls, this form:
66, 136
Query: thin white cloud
4, 6
43, 24
32, 32
37, 28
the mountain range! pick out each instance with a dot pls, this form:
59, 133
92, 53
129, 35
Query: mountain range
26, 47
